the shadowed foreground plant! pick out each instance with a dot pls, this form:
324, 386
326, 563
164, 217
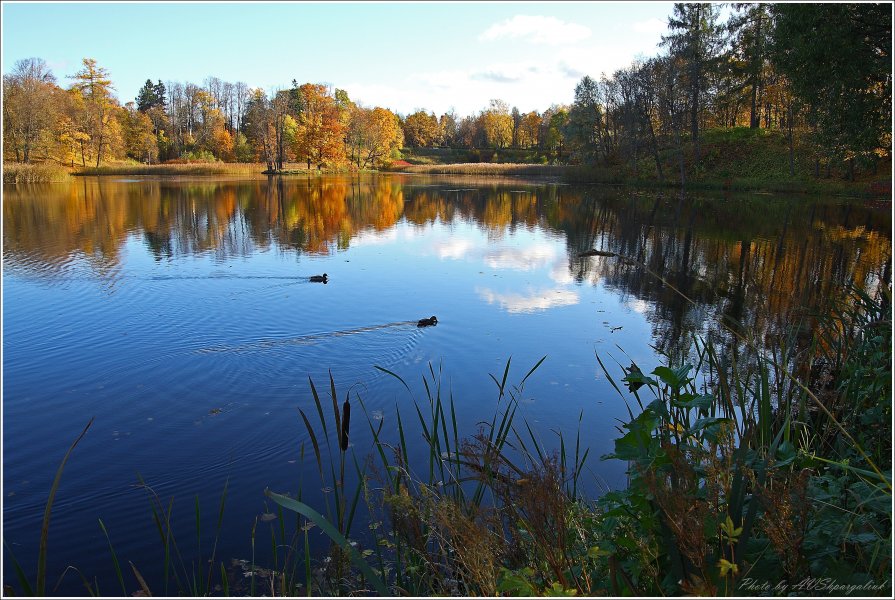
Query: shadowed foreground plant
40, 583
727, 485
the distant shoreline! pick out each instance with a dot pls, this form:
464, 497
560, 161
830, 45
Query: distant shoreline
14, 173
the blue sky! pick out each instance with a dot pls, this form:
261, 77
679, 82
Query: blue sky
402, 56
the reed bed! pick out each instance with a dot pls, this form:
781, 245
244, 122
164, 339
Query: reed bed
179, 169
16, 173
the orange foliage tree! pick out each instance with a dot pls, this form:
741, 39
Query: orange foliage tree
320, 127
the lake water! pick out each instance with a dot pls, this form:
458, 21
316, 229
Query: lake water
180, 315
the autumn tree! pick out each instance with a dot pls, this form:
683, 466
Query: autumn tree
517, 125
373, 135
498, 124
259, 126
470, 133
28, 108
320, 127
93, 83
138, 136
528, 129
448, 125
554, 124
211, 134
421, 129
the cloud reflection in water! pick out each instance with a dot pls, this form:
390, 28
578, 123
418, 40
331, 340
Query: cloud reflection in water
535, 300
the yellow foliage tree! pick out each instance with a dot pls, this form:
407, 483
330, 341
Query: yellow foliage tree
320, 131
373, 135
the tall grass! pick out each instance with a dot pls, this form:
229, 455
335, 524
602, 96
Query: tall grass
442, 521
202, 168
18, 173
199, 168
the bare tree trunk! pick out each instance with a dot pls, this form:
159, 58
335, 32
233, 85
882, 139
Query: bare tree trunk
680, 154
792, 166
753, 116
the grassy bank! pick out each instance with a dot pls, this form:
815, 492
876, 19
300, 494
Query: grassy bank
34, 173
504, 169
736, 159
451, 156
744, 159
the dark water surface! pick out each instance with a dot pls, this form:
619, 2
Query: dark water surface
179, 313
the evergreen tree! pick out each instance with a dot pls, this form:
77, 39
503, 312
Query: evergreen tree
838, 59
751, 29
695, 39
161, 94
146, 98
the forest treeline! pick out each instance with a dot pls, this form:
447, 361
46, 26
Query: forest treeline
819, 74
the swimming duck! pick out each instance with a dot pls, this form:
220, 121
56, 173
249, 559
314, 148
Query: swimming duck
427, 322
319, 278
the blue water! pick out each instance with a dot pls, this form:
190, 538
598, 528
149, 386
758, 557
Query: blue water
179, 315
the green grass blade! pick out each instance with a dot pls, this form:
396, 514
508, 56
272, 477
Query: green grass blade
197, 586
395, 375
114, 559
225, 582
313, 442
334, 535
319, 406
532, 370
335, 400
20, 574
307, 565
41, 583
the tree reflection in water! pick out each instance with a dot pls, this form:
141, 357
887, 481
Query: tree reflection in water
759, 263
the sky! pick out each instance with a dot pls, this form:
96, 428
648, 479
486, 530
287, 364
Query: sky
404, 56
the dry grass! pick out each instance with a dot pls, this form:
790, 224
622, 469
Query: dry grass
198, 168
33, 173
487, 169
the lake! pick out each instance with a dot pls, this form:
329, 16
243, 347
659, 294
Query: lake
180, 314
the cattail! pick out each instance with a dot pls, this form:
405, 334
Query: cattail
346, 420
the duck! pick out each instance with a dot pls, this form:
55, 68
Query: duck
427, 322
319, 278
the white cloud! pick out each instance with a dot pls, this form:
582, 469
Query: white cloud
532, 302
653, 25
537, 30
528, 85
